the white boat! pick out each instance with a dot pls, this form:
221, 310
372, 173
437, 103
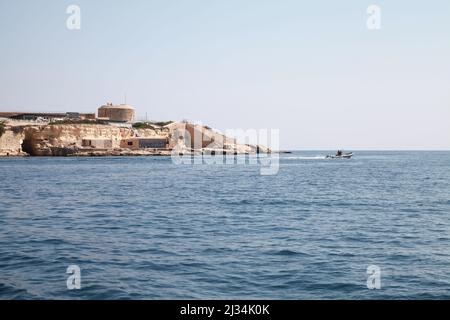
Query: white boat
342, 156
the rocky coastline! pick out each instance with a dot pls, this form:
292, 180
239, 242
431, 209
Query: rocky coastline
21, 139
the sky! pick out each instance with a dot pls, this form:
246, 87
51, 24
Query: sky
311, 69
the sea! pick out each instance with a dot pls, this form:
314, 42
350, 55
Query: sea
376, 226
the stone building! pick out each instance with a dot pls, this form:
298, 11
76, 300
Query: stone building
116, 113
135, 143
97, 143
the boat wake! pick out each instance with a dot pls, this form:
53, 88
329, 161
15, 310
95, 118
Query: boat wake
306, 158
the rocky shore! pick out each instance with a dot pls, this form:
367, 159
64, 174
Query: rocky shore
91, 140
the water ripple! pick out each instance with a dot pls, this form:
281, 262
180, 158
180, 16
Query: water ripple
144, 228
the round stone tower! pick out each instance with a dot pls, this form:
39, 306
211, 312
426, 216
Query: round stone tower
117, 113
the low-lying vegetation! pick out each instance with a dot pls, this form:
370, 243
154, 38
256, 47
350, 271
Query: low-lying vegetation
151, 125
78, 121
143, 125
162, 123
2, 127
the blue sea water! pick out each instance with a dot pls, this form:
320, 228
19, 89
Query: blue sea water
145, 228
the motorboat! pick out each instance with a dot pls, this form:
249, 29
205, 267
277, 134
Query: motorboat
340, 155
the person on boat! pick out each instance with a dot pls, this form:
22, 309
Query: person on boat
339, 153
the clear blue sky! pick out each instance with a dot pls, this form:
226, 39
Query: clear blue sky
310, 68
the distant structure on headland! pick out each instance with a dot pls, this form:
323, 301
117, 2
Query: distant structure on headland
113, 132
122, 115
45, 116
116, 113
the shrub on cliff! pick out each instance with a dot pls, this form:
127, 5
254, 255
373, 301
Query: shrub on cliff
143, 125
2, 128
77, 121
150, 125
162, 123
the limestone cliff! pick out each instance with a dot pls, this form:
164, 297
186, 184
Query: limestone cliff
65, 139
70, 139
11, 141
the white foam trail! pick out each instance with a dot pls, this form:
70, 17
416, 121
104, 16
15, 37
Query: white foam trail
305, 158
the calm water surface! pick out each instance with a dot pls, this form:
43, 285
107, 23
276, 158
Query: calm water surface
145, 228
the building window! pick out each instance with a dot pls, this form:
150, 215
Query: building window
130, 143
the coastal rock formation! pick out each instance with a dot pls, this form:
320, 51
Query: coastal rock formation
11, 141
81, 139
65, 139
